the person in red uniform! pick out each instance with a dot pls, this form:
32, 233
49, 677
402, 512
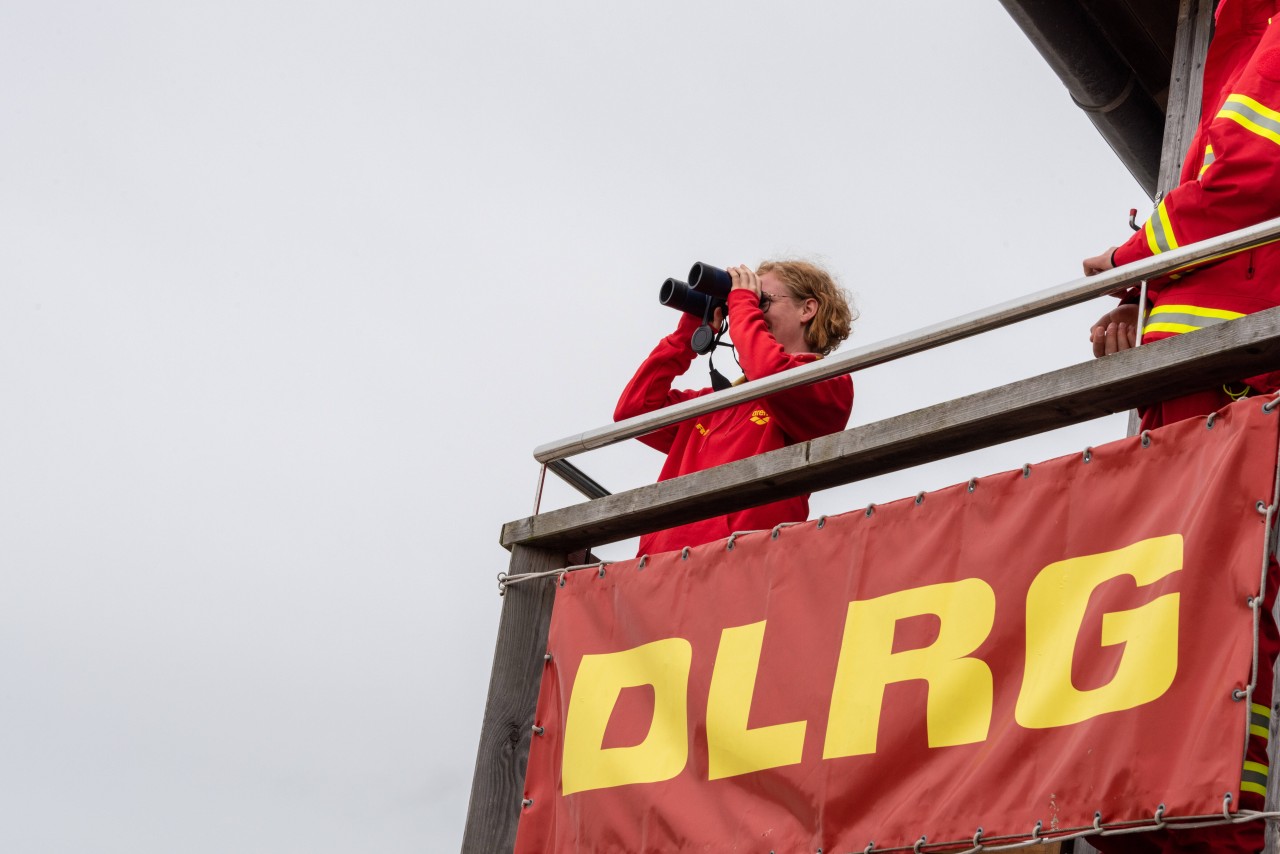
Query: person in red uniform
784, 314
1230, 179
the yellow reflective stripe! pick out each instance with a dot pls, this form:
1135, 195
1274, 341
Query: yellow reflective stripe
1175, 328
1259, 709
1159, 231
1260, 731
1208, 158
1252, 116
1256, 767
1198, 311
1256, 788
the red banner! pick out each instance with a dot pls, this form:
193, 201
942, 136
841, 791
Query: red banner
1021, 654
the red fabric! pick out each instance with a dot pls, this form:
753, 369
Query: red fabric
1182, 747
1239, 188
796, 415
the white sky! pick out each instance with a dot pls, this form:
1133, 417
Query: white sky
290, 291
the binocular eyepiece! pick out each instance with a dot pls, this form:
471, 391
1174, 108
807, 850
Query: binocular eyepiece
707, 289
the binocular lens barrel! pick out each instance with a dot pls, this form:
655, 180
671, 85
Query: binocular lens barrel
678, 295
709, 280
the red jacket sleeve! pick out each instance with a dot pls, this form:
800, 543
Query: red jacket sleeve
805, 412
650, 388
1230, 180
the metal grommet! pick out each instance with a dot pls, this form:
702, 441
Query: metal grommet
526, 803
1238, 695
684, 553
1088, 454
1249, 601
1026, 469
538, 730
1208, 422
547, 657
1261, 507
822, 522
919, 498
871, 508
973, 484
1146, 438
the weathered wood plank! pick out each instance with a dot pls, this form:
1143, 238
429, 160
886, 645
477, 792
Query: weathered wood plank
1243, 347
498, 784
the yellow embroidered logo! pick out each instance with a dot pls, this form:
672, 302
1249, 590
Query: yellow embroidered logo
700, 428
760, 417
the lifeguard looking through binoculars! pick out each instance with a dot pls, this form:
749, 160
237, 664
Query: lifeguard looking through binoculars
784, 314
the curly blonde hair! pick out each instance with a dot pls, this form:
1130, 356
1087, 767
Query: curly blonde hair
834, 320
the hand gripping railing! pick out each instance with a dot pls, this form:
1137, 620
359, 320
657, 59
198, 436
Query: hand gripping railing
1076, 291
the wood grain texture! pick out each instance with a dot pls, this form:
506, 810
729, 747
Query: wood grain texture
1168, 368
497, 788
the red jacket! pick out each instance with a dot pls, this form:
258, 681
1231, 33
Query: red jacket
785, 418
1230, 179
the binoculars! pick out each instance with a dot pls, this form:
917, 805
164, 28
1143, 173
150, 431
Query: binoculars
707, 289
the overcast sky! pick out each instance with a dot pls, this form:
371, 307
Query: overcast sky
289, 292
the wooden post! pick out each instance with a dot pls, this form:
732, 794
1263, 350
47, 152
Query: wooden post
497, 788
1182, 112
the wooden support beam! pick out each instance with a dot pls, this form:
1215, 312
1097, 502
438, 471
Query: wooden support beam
1175, 366
497, 788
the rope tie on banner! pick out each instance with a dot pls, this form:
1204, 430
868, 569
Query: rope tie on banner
977, 841
1146, 438
505, 581
684, 553
919, 498
822, 521
1226, 806
1035, 831
1026, 469
773, 535
973, 484
1088, 454
1271, 404
871, 508
1208, 422
1097, 820
1160, 817
916, 848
